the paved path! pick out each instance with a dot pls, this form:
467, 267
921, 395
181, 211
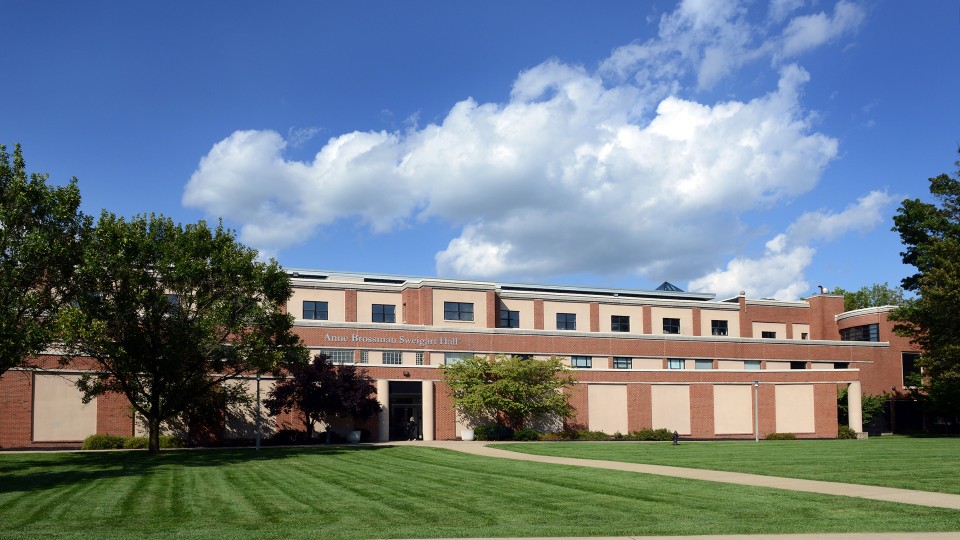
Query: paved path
908, 496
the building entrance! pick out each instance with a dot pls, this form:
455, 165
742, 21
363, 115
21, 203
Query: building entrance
406, 410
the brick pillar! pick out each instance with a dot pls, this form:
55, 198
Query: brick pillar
696, 321
410, 312
746, 325
114, 415
577, 397
350, 305
701, 411
426, 306
639, 407
16, 409
444, 413
647, 320
492, 311
768, 409
594, 316
538, 314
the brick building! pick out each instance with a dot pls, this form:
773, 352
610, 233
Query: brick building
663, 358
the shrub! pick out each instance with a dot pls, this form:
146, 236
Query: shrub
102, 442
648, 434
286, 437
844, 432
587, 435
781, 436
493, 433
526, 434
138, 443
553, 436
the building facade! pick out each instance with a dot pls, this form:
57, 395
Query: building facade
706, 368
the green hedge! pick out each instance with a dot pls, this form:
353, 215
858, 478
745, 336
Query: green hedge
116, 442
781, 436
844, 432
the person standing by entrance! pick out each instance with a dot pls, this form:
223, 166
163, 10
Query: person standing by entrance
412, 430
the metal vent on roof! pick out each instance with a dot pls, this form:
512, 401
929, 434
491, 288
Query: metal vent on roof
667, 286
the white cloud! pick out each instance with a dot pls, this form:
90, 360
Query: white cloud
606, 172
779, 272
811, 31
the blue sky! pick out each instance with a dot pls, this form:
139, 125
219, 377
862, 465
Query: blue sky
720, 146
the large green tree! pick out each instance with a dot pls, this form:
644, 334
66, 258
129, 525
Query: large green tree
509, 390
171, 311
41, 237
930, 233
871, 296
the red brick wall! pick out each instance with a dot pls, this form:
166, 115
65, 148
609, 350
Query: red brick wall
445, 418
825, 410
350, 305
594, 316
696, 321
639, 411
701, 411
492, 312
114, 415
16, 409
578, 400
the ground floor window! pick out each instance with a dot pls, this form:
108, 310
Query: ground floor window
419, 359
339, 356
911, 371
751, 365
704, 364
392, 357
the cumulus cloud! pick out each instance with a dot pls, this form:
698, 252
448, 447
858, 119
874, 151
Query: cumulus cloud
779, 272
607, 171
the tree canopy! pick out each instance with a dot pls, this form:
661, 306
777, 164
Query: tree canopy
509, 390
171, 311
41, 238
321, 391
871, 296
930, 233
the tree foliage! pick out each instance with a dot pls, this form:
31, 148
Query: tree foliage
509, 390
321, 391
871, 296
41, 238
172, 311
930, 233
871, 406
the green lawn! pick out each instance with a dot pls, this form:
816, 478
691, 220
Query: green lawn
928, 464
392, 492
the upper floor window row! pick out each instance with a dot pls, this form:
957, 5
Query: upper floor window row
671, 326
315, 310
619, 323
867, 332
458, 311
509, 319
719, 328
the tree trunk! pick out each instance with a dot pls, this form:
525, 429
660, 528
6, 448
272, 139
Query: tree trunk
154, 424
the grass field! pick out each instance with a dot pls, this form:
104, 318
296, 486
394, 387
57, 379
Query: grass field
392, 492
928, 464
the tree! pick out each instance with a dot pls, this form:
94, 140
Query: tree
172, 311
41, 238
930, 233
871, 406
509, 390
871, 296
321, 391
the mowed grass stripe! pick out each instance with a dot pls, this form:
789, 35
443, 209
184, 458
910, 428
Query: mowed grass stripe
926, 464
398, 492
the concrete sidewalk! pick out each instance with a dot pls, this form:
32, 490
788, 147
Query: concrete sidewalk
907, 496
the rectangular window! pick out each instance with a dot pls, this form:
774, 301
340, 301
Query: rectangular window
394, 358
798, 365
457, 311
566, 321
768, 335
509, 319
671, 326
419, 360
841, 365
751, 365
619, 323
804, 335
867, 332
364, 357
675, 363
384, 313
911, 371
703, 364
314, 310
718, 328
455, 357
339, 356
581, 362
620, 362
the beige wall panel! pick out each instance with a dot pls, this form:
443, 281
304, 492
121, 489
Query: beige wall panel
670, 404
240, 422
729, 364
778, 365
800, 329
647, 363
477, 298
436, 358
779, 328
581, 309
634, 312
410, 358
607, 406
525, 307
794, 404
709, 315
821, 365
59, 413
366, 300
334, 299
685, 315
732, 409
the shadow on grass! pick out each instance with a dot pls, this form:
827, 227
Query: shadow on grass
28, 472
